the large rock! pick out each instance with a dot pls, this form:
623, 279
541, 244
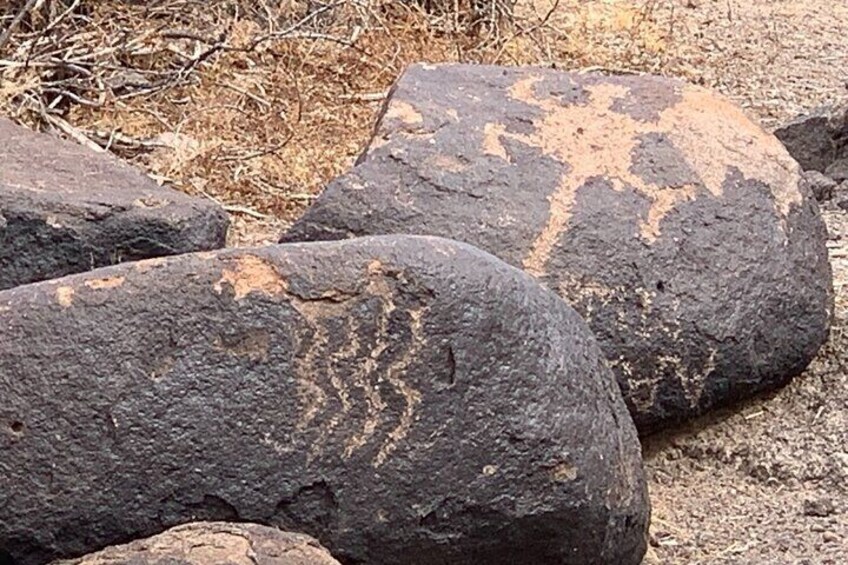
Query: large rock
818, 138
65, 209
670, 221
403, 400
214, 543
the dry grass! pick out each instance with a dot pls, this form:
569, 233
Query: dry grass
256, 104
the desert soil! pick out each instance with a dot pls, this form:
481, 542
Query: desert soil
767, 481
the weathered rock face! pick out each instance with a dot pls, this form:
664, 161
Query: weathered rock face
211, 543
402, 399
822, 186
65, 209
670, 221
819, 138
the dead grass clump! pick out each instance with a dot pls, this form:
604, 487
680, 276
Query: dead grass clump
253, 103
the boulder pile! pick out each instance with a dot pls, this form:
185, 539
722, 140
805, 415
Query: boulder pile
679, 229
447, 360
818, 140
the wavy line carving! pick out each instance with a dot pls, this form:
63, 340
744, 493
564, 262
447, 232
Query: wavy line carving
336, 373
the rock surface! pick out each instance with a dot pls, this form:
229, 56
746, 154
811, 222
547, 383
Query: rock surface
818, 138
822, 186
65, 209
214, 543
677, 227
401, 399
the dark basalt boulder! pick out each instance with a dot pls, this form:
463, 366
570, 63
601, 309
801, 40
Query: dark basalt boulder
678, 228
65, 209
214, 543
402, 399
818, 138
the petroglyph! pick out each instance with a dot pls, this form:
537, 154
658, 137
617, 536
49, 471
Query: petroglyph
379, 288
306, 352
597, 141
350, 365
319, 361
410, 395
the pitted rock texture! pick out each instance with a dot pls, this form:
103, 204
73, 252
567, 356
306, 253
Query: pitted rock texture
402, 399
818, 139
65, 209
214, 543
678, 228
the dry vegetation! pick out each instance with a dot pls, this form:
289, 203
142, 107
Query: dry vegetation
257, 103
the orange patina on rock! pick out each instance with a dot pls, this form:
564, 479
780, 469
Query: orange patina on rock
251, 274
108, 282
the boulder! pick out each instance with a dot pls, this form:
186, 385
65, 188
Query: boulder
677, 227
818, 138
65, 209
401, 399
213, 543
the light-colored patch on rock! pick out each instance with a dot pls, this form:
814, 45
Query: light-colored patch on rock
564, 472
150, 202
254, 345
105, 283
162, 367
596, 141
492, 144
404, 112
146, 265
208, 543
65, 296
447, 163
252, 275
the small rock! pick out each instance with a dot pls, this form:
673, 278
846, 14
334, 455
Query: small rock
830, 537
212, 543
813, 139
821, 185
838, 170
821, 507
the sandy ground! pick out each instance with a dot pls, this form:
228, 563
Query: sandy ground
767, 481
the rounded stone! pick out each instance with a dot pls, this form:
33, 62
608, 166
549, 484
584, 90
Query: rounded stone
401, 399
212, 543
